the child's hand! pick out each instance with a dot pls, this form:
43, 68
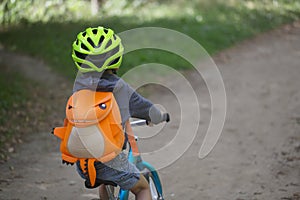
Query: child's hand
166, 117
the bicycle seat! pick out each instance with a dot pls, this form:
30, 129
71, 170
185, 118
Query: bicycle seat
98, 183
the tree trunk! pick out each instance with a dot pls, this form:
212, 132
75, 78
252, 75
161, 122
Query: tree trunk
94, 7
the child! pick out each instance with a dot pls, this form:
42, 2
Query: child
97, 53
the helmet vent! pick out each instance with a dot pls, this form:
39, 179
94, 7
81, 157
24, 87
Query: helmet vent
83, 65
90, 41
101, 40
80, 55
108, 43
84, 34
114, 37
114, 61
84, 47
105, 30
94, 31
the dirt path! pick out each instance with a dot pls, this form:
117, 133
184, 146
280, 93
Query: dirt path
257, 156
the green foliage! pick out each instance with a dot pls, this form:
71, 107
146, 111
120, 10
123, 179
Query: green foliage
25, 106
13, 97
12, 92
28, 11
215, 24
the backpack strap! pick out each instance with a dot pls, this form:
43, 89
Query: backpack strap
131, 139
133, 145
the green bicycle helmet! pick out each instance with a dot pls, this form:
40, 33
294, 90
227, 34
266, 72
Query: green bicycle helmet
97, 49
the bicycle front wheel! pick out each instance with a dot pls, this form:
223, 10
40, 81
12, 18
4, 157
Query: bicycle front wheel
153, 189
155, 186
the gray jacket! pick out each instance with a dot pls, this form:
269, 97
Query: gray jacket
131, 104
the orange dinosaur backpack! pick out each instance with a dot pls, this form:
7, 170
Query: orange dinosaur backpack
92, 131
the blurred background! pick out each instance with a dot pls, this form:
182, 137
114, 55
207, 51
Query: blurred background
37, 73
45, 30
36, 36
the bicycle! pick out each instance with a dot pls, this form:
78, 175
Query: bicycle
146, 169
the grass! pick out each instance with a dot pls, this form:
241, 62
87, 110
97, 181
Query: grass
215, 26
14, 94
26, 107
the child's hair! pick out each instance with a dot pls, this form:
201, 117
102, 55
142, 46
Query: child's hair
97, 49
111, 71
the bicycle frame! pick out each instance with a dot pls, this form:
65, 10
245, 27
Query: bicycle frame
135, 158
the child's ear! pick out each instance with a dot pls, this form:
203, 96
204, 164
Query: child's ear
114, 71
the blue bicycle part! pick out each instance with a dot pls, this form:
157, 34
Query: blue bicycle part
152, 173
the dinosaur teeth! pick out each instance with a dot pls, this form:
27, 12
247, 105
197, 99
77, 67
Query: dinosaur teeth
83, 121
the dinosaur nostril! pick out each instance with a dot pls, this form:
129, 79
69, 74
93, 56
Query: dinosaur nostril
69, 107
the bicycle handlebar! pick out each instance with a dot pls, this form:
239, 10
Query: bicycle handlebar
140, 122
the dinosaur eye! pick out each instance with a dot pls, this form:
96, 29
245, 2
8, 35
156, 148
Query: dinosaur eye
102, 106
69, 107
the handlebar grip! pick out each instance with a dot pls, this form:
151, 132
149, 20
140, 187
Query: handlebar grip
166, 117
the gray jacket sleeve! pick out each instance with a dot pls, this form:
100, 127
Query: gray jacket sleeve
142, 108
